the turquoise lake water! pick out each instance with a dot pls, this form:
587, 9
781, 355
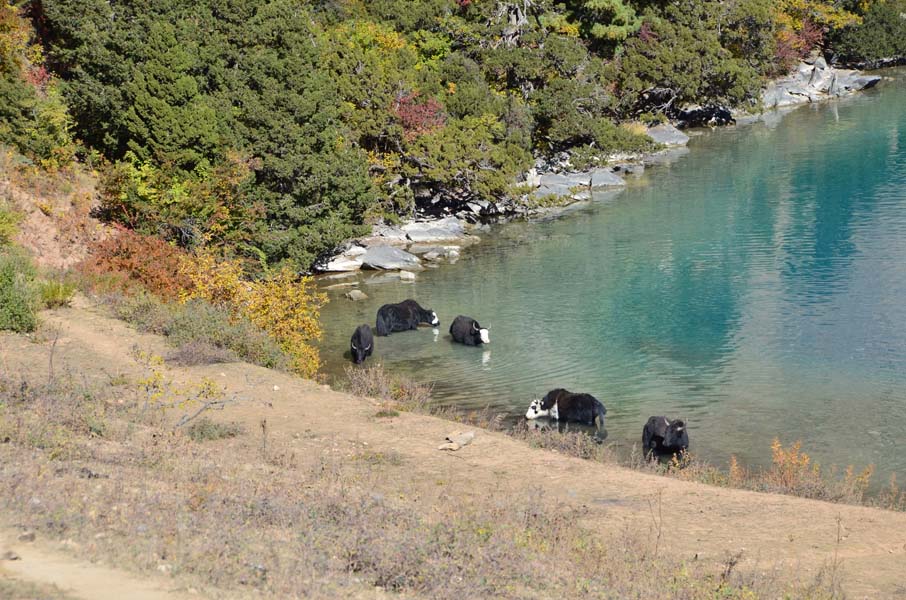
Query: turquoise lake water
755, 286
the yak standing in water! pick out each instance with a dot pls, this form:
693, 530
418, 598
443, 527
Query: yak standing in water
403, 316
563, 405
466, 330
663, 436
361, 344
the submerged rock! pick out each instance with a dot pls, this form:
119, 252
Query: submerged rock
356, 295
635, 169
389, 259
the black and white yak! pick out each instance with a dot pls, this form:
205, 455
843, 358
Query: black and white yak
663, 436
466, 330
361, 344
563, 405
403, 316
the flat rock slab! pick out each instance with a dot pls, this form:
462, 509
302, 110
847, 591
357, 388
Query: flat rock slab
389, 258
571, 185
449, 228
606, 178
667, 134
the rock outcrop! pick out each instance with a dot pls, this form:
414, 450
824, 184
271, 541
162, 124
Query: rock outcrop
813, 83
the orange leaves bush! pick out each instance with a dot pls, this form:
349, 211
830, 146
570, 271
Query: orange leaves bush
281, 303
127, 259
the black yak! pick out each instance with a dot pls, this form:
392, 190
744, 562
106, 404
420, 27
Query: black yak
361, 344
403, 316
663, 436
466, 330
563, 405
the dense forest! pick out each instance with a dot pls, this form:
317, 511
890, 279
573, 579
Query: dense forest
271, 130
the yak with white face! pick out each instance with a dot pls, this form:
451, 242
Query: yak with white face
466, 330
563, 405
361, 344
663, 436
403, 316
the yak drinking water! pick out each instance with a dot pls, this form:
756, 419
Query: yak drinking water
663, 436
361, 344
403, 316
563, 405
466, 330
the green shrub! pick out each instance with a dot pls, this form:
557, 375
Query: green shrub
55, 293
18, 297
882, 34
204, 429
199, 322
198, 352
681, 57
9, 219
144, 311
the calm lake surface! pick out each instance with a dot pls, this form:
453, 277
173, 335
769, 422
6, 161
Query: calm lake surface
755, 286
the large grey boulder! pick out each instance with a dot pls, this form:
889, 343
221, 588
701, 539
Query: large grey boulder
605, 177
865, 82
347, 260
667, 134
389, 259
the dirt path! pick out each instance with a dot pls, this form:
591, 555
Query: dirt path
696, 520
38, 563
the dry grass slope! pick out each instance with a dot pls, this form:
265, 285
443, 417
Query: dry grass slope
245, 512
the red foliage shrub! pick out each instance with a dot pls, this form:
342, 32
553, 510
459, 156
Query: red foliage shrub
647, 34
129, 260
796, 45
38, 77
810, 36
419, 117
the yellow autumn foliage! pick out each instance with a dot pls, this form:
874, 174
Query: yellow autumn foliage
793, 13
281, 303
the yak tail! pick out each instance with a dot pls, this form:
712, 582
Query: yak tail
381, 327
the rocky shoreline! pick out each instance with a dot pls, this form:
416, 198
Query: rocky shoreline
396, 253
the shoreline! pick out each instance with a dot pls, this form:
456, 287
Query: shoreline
309, 426
437, 287
398, 252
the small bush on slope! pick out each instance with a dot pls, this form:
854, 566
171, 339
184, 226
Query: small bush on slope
18, 296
